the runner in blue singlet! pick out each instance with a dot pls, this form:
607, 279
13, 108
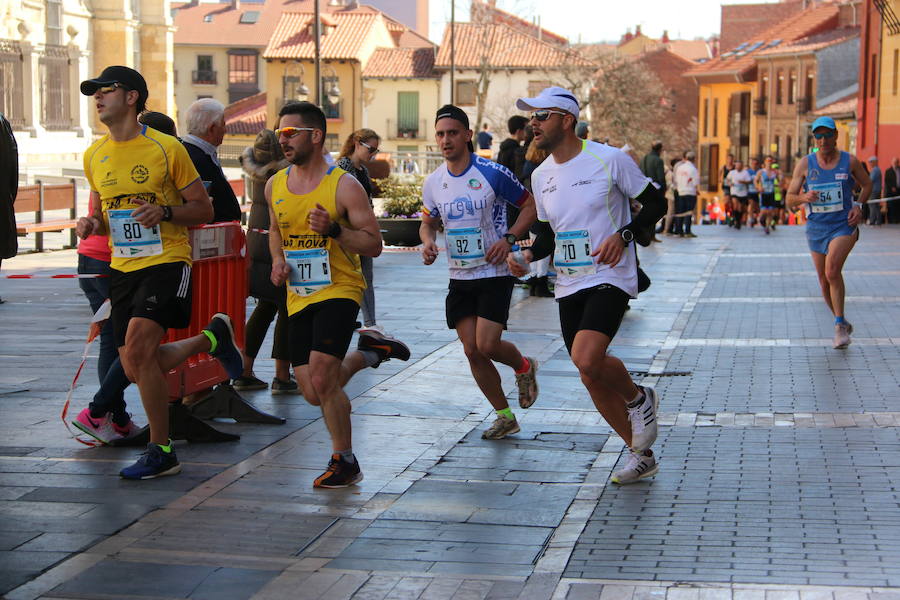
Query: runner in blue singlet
827, 178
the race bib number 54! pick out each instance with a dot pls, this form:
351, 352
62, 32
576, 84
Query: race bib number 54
130, 239
831, 197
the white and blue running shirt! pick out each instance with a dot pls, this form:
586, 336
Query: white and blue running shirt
590, 193
472, 207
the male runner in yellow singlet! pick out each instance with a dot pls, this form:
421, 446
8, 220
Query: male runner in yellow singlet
145, 192
321, 224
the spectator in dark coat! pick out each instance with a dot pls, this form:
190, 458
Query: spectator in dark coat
9, 187
512, 155
206, 130
891, 189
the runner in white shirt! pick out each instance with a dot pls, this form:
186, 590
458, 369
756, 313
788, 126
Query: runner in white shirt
740, 179
469, 194
582, 194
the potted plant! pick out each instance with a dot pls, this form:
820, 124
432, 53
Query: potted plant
401, 209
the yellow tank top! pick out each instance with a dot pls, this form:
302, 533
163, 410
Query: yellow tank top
321, 269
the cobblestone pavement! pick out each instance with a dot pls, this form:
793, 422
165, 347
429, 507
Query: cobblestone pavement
779, 457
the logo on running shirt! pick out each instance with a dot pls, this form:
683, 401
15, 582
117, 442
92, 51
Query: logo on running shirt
813, 174
583, 182
474, 184
140, 174
549, 190
105, 158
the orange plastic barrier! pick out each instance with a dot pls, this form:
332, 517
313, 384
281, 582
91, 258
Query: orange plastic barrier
219, 278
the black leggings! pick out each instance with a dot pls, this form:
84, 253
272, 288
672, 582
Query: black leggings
258, 325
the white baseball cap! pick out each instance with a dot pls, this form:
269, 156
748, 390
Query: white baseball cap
551, 97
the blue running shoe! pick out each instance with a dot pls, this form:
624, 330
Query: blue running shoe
226, 350
152, 463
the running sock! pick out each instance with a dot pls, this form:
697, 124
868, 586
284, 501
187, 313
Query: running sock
212, 340
637, 399
507, 412
523, 368
370, 357
839, 320
167, 449
347, 455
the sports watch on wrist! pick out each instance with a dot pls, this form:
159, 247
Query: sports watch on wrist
627, 236
167, 213
510, 238
334, 230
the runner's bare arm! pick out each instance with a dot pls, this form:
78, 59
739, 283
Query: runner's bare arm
362, 236
280, 270
795, 197
92, 224
197, 208
428, 234
861, 177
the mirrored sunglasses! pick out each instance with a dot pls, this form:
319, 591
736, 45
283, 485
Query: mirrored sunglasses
290, 132
544, 114
825, 134
107, 89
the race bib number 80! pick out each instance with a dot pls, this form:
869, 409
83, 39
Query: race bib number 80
131, 239
309, 271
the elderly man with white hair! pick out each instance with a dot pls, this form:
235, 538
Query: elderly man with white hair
206, 129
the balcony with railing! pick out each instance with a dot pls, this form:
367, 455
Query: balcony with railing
406, 131
759, 106
56, 114
203, 77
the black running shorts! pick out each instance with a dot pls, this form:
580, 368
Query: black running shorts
599, 308
768, 201
487, 298
325, 326
161, 293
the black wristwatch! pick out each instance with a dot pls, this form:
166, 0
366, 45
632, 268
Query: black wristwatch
167, 213
510, 237
627, 236
335, 230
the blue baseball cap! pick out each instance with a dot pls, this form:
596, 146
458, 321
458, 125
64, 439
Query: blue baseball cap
827, 122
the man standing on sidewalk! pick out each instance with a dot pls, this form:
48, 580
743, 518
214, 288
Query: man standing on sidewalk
582, 192
652, 166
320, 222
468, 195
687, 178
875, 215
144, 193
823, 181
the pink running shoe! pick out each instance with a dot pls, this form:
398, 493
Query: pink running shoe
128, 430
102, 429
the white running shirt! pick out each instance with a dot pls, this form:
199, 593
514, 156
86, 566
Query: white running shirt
472, 207
591, 193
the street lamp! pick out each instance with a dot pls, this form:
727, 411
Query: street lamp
295, 88
334, 92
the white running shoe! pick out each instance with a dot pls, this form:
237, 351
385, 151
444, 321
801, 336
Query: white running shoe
842, 335
643, 420
637, 467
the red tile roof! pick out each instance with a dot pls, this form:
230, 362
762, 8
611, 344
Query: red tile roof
690, 49
814, 42
292, 37
247, 116
843, 107
502, 47
484, 12
737, 65
404, 63
225, 28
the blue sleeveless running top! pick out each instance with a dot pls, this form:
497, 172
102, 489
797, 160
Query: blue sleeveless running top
835, 187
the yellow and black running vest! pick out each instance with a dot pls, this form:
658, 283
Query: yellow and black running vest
292, 213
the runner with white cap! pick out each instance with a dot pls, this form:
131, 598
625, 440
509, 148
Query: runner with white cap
582, 195
827, 177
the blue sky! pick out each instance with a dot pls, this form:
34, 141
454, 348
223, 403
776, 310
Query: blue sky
601, 20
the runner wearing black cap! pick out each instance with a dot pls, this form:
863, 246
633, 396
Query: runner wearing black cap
145, 191
469, 194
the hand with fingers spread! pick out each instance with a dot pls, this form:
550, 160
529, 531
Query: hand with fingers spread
611, 250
